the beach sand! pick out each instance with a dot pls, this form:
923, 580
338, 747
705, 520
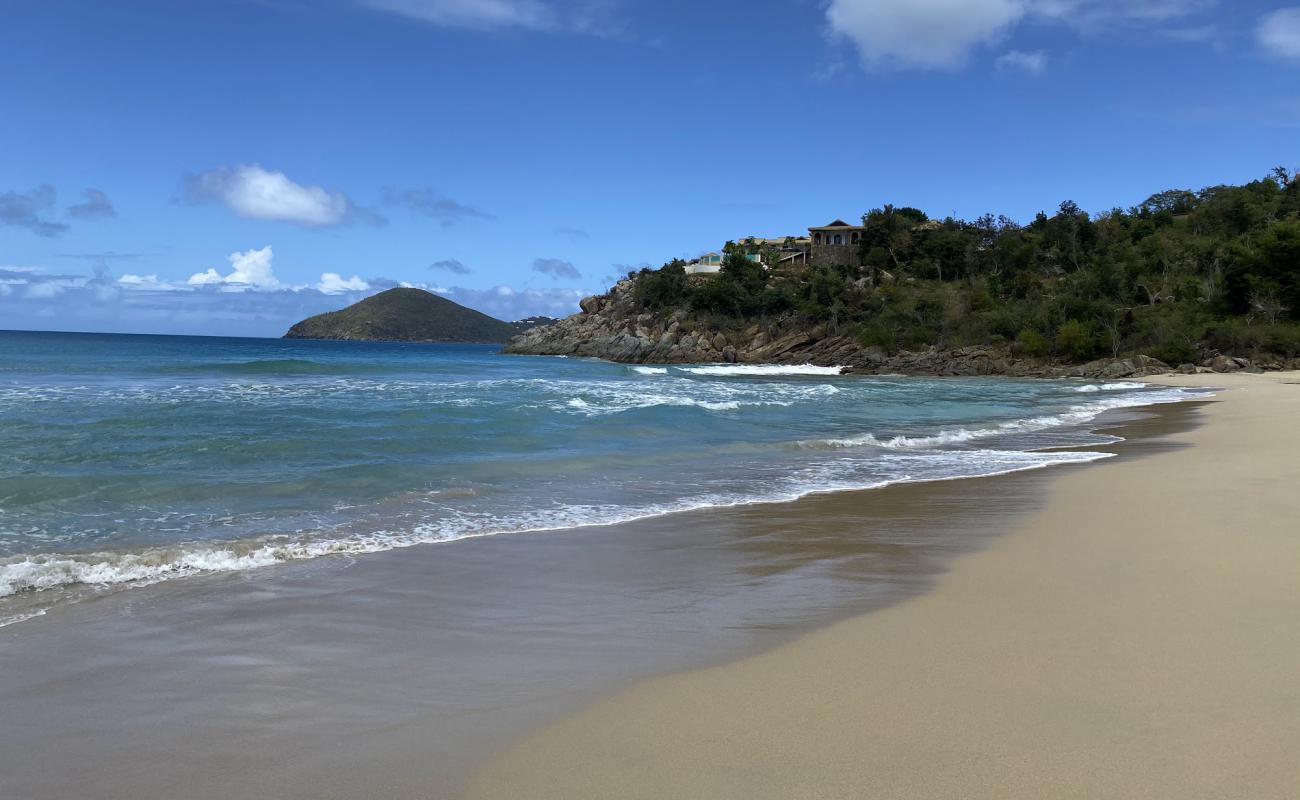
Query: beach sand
1137, 637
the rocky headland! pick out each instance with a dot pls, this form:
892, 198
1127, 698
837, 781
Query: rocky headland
613, 327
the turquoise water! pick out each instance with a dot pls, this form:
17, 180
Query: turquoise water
130, 459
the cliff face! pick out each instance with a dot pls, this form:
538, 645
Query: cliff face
612, 327
405, 315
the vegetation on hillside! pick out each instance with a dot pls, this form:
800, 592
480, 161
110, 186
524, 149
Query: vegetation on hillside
405, 315
1181, 274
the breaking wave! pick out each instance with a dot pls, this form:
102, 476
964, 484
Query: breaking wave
1077, 415
1111, 387
761, 370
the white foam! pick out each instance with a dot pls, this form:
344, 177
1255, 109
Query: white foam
1076, 415
726, 370
1111, 387
650, 370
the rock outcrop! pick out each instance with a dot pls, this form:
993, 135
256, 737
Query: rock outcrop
614, 328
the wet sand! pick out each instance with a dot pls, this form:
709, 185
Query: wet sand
397, 674
1138, 636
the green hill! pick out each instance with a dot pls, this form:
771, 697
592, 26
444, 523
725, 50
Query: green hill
405, 315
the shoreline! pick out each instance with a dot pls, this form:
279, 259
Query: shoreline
86, 576
408, 669
1134, 637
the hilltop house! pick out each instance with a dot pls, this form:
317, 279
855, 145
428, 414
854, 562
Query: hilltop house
836, 243
829, 245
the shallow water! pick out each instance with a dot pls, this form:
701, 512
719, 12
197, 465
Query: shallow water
134, 459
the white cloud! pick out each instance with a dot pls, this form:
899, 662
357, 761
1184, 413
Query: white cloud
1101, 13
473, 13
943, 34
932, 34
1278, 33
44, 290
150, 283
250, 269
252, 191
334, 283
1034, 63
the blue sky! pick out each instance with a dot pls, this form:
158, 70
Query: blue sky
229, 166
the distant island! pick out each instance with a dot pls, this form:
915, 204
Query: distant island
1193, 281
410, 315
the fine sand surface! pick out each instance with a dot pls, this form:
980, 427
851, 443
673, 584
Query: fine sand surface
1139, 637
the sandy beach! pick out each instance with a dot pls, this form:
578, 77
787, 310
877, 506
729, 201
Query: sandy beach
1136, 637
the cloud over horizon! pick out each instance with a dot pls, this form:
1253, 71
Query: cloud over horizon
247, 300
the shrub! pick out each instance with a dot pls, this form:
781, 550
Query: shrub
664, 288
1031, 343
1075, 341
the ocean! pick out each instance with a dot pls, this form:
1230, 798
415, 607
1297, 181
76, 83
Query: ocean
128, 460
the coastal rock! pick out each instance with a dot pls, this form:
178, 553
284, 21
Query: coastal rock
615, 327
1222, 363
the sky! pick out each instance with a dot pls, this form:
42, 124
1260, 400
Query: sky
227, 167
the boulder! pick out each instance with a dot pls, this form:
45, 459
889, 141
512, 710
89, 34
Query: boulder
1223, 363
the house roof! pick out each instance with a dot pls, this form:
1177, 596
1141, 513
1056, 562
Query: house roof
839, 223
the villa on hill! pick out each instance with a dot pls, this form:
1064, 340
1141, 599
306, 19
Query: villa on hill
826, 245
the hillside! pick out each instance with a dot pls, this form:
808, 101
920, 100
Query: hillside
406, 315
1192, 280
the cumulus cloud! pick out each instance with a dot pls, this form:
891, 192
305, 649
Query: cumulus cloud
556, 268
334, 283
428, 203
1034, 63
450, 265
250, 269
935, 34
1278, 33
943, 34
96, 205
252, 191
28, 210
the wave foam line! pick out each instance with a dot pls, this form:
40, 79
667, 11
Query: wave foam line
1111, 387
725, 370
101, 570
1077, 415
